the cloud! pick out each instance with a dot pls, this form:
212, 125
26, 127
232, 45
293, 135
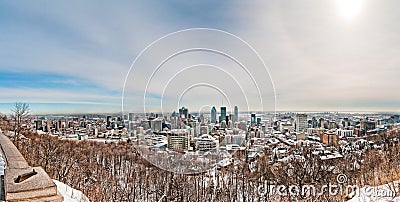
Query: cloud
44, 95
315, 55
317, 59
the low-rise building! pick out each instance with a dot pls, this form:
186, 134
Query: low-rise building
329, 138
178, 140
345, 133
206, 143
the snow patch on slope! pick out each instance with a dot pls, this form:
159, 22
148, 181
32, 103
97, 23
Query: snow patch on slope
70, 194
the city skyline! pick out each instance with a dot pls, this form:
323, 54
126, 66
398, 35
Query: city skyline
321, 56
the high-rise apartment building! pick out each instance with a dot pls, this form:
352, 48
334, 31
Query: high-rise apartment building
301, 122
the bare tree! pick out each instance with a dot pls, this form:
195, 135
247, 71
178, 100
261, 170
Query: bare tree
20, 116
3, 120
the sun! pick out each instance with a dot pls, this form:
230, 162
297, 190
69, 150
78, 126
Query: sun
349, 9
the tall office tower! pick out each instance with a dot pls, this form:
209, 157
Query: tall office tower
58, 125
223, 114
213, 115
230, 124
253, 118
236, 113
258, 120
346, 122
174, 122
183, 113
301, 122
321, 123
314, 122
196, 128
201, 118
109, 121
326, 124
131, 115
231, 117
38, 124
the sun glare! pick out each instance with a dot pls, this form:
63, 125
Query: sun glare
349, 9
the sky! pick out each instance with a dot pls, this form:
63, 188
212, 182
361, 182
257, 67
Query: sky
74, 56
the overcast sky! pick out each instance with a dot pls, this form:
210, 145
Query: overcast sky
73, 56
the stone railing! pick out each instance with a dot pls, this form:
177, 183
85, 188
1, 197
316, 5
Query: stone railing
23, 182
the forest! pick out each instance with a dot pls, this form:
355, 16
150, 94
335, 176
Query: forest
117, 172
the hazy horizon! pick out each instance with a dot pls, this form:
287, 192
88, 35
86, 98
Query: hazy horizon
5, 108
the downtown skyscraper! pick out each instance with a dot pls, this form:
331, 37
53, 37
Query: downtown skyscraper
213, 115
236, 114
223, 114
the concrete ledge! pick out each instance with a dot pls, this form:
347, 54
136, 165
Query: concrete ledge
12, 155
38, 187
57, 198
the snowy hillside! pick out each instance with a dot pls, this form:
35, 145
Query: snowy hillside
70, 194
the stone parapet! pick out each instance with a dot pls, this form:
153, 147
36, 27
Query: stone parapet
23, 182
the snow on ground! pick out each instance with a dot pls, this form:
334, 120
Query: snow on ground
70, 194
382, 193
